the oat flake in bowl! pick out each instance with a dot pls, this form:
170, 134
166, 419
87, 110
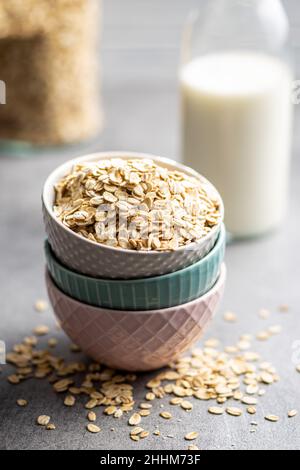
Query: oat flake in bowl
147, 252
135, 204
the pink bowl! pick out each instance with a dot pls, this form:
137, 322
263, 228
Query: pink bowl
135, 340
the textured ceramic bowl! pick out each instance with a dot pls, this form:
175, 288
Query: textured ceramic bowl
96, 260
135, 340
148, 293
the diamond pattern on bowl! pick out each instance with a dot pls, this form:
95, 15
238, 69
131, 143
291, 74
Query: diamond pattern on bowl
135, 340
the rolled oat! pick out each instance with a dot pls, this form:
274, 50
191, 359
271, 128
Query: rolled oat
136, 205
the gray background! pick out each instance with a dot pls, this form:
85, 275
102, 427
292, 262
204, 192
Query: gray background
140, 59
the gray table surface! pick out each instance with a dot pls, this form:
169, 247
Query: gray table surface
140, 57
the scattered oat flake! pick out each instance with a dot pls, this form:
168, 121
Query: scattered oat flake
144, 434
216, 410
91, 416
243, 345
266, 378
153, 383
265, 365
205, 374
145, 406
251, 410
176, 401
69, 400
21, 402
264, 313
168, 388
171, 375
30, 340
263, 335
93, 428
62, 385
231, 349
292, 413
249, 400
246, 337
191, 436
144, 413
233, 411
273, 418
75, 390
221, 400
275, 329
150, 396
41, 330
202, 395
41, 305
298, 368
109, 410
230, 317
222, 389
50, 427
252, 389
211, 343
118, 413
156, 432
179, 391
13, 379
193, 447
251, 356
52, 342
238, 395
134, 419
43, 420
186, 405
134, 438
92, 403
74, 348
135, 431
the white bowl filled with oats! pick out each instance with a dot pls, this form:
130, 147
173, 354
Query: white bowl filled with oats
129, 215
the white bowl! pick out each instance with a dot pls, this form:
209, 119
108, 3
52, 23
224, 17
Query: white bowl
96, 260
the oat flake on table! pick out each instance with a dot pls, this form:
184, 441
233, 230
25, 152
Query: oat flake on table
206, 374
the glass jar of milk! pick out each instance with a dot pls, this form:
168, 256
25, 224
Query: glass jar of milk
236, 94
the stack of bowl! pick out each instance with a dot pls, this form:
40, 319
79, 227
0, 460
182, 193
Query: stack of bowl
133, 310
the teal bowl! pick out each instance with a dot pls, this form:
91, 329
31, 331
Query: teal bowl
148, 293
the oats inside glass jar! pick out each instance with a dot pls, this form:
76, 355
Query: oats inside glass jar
136, 204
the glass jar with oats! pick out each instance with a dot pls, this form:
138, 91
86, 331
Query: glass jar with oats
49, 68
